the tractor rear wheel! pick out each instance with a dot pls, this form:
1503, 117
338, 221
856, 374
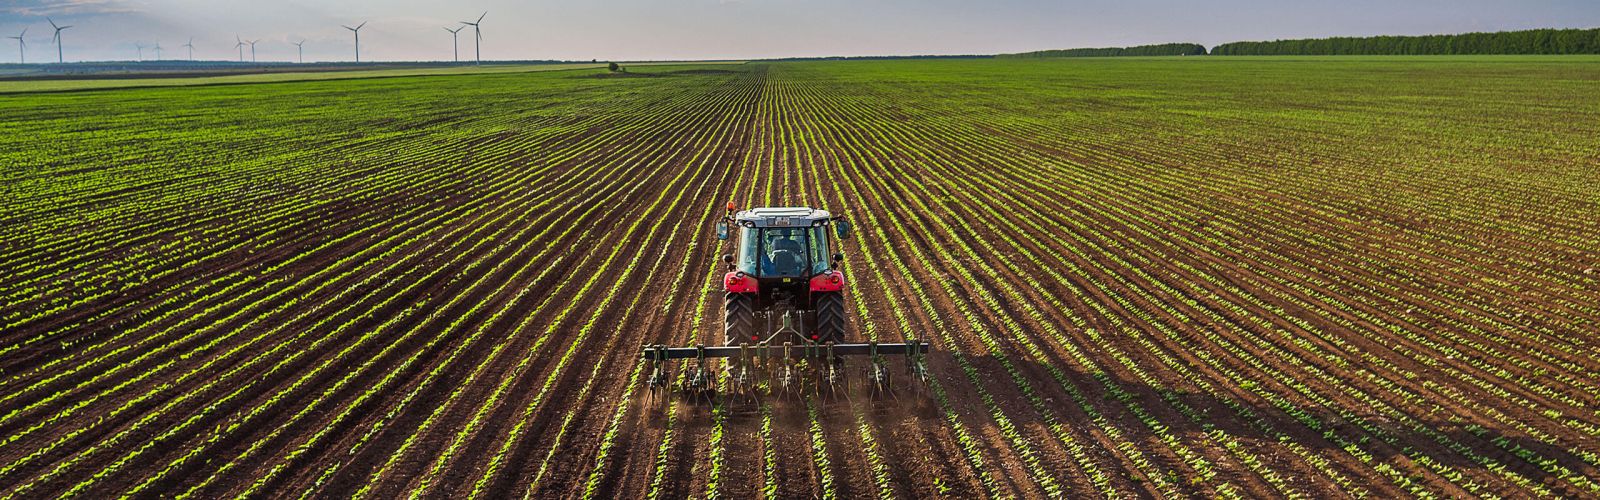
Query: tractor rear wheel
830, 317
738, 318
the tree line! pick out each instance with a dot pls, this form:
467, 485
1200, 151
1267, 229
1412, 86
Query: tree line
1165, 49
1540, 41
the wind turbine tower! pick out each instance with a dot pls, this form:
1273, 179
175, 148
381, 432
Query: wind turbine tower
301, 47
357, 31
239, 45
158, 51
190, 45
22, 46
477, 45
57, 40
454, 50
253, 50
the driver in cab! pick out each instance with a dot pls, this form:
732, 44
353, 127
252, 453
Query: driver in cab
785, 258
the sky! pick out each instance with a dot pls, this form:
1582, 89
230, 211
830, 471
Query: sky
410, 30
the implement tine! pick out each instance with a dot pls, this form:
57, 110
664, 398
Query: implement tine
699, 378
878, 373
787, 376
836, 375
915, 366
658, 374
741, 377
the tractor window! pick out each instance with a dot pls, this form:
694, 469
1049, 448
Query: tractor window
783, 252
819, 249
749, 249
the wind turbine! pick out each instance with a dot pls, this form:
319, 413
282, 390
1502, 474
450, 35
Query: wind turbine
190, 45
140, 45
158, 51
240, 46
477, 45
57, 40
357, 31
301, 46
253, 50
22, 46
453, 47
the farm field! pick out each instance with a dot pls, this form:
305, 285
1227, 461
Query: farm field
1167, 277
60, 85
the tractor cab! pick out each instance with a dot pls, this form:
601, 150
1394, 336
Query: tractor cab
784, 257
784, 242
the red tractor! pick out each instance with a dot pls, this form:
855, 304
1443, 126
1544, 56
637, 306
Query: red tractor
784, 275
783, 307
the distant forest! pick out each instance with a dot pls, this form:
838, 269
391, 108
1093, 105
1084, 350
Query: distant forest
1166, 49
1545, 41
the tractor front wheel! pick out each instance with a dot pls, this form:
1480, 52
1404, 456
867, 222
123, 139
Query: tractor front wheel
830, 317
739, 318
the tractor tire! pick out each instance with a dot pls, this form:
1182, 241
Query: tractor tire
738, 318
830, 318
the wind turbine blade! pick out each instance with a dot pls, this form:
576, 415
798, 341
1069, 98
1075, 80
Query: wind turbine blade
480, 18
52, 23
359, 26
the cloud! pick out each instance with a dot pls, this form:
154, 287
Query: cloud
69, 7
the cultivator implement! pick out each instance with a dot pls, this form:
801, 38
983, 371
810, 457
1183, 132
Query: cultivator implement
786, 368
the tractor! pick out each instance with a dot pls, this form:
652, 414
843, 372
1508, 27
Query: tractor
783, 310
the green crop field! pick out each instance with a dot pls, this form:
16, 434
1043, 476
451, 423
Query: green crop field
47, 85
1214, 277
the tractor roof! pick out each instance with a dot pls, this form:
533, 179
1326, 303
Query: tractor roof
781, 217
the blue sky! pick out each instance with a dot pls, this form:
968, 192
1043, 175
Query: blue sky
707, 29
